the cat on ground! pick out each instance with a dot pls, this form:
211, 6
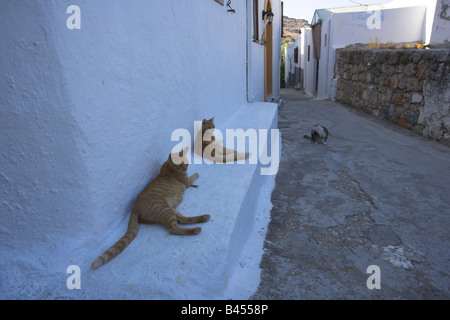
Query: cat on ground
214, 148
319, 134
157, 203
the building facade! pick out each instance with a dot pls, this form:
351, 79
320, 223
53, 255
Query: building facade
90, 95
397, 22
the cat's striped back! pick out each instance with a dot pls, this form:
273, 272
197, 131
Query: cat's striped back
157, 203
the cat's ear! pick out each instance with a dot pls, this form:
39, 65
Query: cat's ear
212, 119
204, 121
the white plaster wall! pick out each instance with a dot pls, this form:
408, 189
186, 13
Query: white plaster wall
289, 61
431, 6
87, 115
301, 50
290, 64
256, 52
441, 24
325, 60
309, 65
397, 25
44, 195
276, 9
255, 72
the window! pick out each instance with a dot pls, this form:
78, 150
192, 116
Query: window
296, 55
255, 21
309, 52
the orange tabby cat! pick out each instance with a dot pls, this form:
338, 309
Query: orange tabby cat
156, 205
223, 154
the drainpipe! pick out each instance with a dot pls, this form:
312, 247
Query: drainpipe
246, 47
328, 41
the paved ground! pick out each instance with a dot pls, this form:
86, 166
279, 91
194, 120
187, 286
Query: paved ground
376, 194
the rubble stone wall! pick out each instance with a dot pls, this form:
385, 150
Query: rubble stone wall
408, 87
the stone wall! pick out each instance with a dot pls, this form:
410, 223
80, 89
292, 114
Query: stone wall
408, 87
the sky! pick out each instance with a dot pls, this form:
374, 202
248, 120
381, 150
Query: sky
304, 9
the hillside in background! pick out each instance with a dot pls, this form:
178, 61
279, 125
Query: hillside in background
292, 27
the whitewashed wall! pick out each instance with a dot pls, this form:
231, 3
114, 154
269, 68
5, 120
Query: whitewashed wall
302, 41
86, 115
440, 33
256, 53
308, 82
276, 8
341, 29
431, 6
289, 66
255, 71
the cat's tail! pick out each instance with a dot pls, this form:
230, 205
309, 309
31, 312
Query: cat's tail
119, 246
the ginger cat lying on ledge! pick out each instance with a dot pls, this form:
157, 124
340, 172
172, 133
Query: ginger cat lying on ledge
156, 204
219, 153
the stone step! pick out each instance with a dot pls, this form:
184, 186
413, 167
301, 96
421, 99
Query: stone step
157, 265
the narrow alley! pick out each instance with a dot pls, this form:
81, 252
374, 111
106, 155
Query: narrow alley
374, 195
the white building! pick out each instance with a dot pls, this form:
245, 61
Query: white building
292, 65
299, 62
88, 102
396, 22
440, 29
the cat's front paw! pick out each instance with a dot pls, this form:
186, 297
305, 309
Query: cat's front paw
205, 217
194, 177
